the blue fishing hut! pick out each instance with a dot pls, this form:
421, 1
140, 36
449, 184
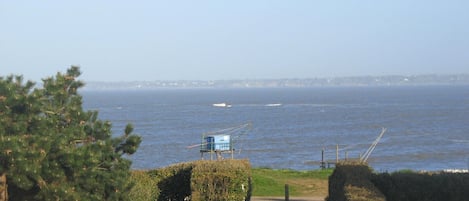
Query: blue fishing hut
217, 144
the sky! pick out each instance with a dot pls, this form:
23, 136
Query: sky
242, 39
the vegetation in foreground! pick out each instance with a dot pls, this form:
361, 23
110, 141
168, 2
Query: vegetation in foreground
52, 149
355, 181
164, 183
271, 182
224, 180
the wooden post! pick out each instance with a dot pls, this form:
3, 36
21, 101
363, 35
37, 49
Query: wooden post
287, 193
346, 155
3, 188
323, 163
337, 153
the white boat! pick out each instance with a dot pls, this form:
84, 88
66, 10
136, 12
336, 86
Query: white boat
273, 105
221, 105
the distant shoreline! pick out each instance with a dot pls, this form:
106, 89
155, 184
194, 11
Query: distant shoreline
358, 81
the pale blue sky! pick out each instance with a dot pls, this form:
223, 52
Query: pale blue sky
242, 39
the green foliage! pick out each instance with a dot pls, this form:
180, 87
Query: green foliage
406, 171
406, 186
199, 180
221, 180
350, 181
357, 182
145, 188
51, 149
174, 181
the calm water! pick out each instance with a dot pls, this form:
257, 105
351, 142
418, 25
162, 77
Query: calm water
427, 127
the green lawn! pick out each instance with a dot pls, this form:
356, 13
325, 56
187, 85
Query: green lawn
271, 182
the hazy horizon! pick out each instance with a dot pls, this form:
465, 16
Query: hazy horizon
220, 40
305, 78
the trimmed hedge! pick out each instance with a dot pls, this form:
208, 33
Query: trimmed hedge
144, 188
221, 180
409, 186
350, 181
174, 181
197, 181
355, 182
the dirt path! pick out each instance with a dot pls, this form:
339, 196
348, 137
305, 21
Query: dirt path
291, 199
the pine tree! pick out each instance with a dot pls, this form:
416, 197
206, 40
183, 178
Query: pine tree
51, 149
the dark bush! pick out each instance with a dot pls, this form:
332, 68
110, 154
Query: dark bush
350, 181
407, 186
175, 182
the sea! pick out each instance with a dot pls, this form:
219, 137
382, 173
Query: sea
427, 127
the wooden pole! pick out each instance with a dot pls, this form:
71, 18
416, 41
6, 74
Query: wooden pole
3, 188
287, 193
323, 163
337, 153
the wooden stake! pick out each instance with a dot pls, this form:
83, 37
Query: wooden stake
3, 188
323, 163
337, 153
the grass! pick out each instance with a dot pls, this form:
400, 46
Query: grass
271, 182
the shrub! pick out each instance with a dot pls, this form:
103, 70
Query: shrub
198, 181
174, 181
403, 186
145, 186
350, 181
221, 180
355, 181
